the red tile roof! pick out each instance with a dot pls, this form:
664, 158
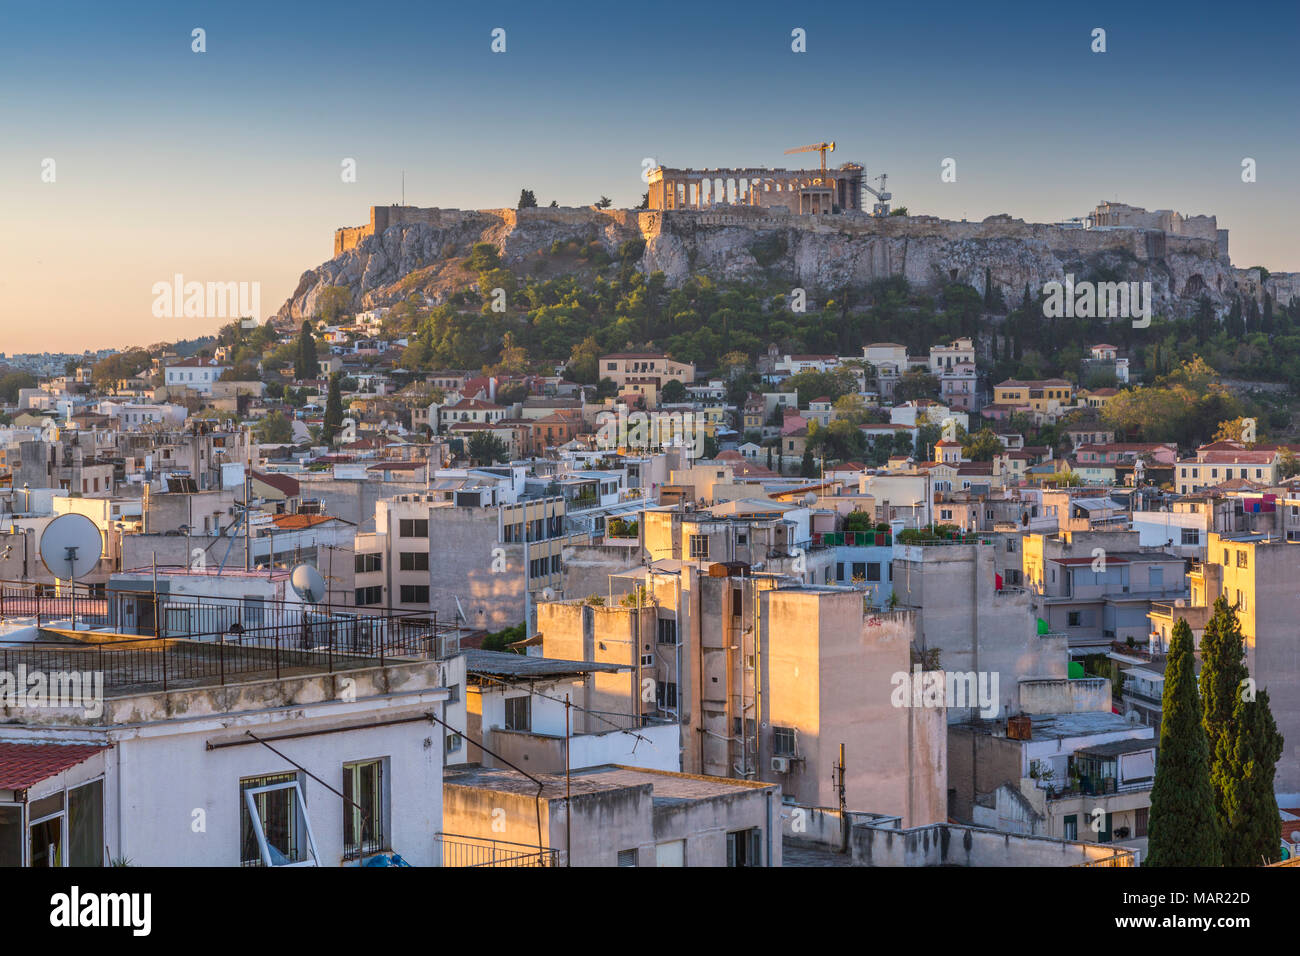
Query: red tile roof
285, 484
299, 522
22, 765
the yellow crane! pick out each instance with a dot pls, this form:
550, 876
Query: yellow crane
822, 148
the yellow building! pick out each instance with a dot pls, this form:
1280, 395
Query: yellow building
1042, 395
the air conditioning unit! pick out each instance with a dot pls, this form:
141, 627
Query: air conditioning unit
780, 764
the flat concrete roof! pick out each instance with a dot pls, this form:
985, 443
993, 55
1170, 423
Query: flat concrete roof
1052, 726
669, 788
505, 664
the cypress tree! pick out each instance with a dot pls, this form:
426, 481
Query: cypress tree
1222, 674
807, 468
305, 366
1244, 765
333, 410
1184, 830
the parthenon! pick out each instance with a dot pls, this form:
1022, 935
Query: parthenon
802, 191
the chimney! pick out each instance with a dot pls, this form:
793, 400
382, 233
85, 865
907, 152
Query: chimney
1020, 727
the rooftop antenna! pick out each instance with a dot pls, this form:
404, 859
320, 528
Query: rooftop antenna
403, 187
70, 549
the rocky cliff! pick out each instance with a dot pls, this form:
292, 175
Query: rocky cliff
423, 251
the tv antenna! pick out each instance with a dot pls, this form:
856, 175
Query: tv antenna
70, 549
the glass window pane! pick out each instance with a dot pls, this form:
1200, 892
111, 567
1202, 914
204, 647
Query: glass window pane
47, 843
11, 836
86, 825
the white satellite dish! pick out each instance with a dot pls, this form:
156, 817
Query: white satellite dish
308, 584
71, 546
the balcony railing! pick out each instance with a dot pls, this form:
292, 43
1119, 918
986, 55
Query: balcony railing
465, 851
312, 645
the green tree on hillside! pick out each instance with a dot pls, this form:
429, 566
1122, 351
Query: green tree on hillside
305, 365
527, 200
333, 410
12, 382
486, 449
275, 429
1184, 829
333, 302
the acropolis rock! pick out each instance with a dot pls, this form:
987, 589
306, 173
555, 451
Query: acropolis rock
404, 249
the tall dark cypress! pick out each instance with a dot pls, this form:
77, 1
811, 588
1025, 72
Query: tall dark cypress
1184, 829
1222, 672
305, 367
1244, 767
333, 410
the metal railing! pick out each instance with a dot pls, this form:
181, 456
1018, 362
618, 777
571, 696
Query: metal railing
313, 645
466, 851
45, 602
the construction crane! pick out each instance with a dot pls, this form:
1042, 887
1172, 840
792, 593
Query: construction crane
822, 148
881, 208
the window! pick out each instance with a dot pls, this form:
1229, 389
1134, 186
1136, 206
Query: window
647, 660
1140, 816
519, 713
273, 826
365, 818
453, 743
366, 563
745, 847
371, 595
413, 528
671, 853
1241, 558
1071, 827
415, 594
45, 832
859, 570
1191, 536
699, 546
413, 561
627, 857
873, 571
784, 741
1075, 618
665, 695
86, 824
11, 836
667, 631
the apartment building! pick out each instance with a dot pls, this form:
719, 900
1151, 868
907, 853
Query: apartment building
197, 374
608, 816
1075, 776
233, 753
1211, 468
767, 679
644, 373
969, 622
471, 560
1097, 588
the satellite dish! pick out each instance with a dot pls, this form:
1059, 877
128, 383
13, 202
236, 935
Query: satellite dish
308, 584
810, 499
71, 546
1133, 717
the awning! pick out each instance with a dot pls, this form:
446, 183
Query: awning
22, 765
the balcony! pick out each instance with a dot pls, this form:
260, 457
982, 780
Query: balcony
466, 851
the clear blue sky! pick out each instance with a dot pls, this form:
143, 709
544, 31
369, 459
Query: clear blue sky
224, 166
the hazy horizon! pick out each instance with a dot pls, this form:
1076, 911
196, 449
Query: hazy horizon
224, 166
